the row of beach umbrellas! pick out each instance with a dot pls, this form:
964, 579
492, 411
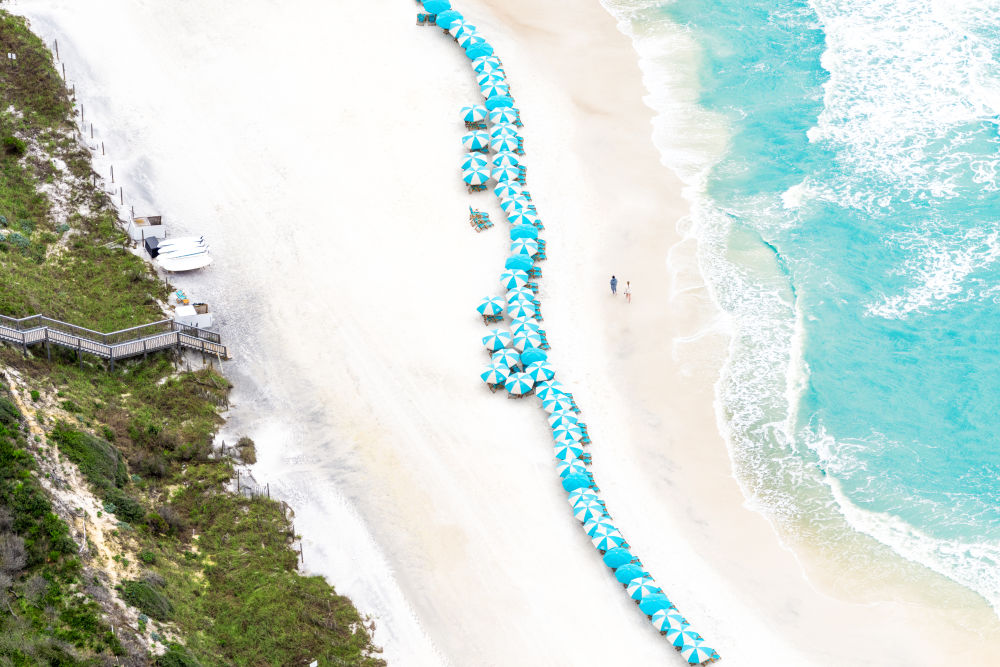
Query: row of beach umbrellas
517, 361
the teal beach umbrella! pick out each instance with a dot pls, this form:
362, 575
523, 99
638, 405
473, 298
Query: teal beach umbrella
498, 102
534, 354
504, 142
436, 6
475, 113
497, 339
527, 340
665, 620
476, 176
642, 586
653, 603
518, 262
520, 294
606, 542
475, 160
617, 557
512, 278
571, 467
576, 496
447, 18
588, 509
523, 232
684, 637
519, 384
541, 370
627, 573
503, 115
507, 190
506, 357
576, 481
698, 654
475, 141
478, 50
490, 305
565, 451
495, 374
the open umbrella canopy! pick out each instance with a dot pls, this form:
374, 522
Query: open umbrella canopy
526, 247
542, 369
482, 66
561, 416
495, 374
503, 115
512, 278
554, 386
588, 508
570, 467
474, 114
698, 653
501, 174
478, 50
497, 339
475, 141
506, 357
506, 159
491, 90
576, 481
522, 309
525, 341
523, 232
476, 176
627, 573
490, 77
667, 619
654, 602
565, 439
490, 305
461, 28
470, 39
525, 325
518, 262
507, 190
504, 142
520, 294
519, 384
684, 637
570, 431
497, 102
532, 355
642, 585
564, 451
557, 403
615, 558
448, 18
522, 218
475, 160
436, 6
512, 205
581, 494
599, 526
606, 542
485, 60
500, 129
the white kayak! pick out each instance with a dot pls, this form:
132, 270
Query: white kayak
178, 251
182, 240
188, 263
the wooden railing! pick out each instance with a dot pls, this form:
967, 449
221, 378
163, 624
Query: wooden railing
114, 346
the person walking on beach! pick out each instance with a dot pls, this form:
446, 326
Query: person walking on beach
628, 291
614, 286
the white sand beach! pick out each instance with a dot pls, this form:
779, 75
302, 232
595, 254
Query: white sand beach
318, 150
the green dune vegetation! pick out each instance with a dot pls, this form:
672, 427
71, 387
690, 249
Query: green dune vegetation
109, 485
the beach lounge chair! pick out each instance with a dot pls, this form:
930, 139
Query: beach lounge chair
421, 19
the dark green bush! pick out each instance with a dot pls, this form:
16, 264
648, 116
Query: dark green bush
14, 146
9, 414
35, 395
98, 460
176, 656
147, 599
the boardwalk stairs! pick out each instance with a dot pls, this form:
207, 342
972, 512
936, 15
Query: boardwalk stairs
115, 346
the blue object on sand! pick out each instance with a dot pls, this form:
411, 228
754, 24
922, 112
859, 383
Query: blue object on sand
491, 305
446, 18
617, 557
533, 354
627, 573
653, 603
576, 481
436, 6
518, 262
479, 50
523, 232
498, 102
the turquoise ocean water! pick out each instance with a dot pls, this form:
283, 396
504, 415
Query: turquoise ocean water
845, 194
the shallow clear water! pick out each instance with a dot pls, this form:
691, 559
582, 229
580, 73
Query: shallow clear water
848, 218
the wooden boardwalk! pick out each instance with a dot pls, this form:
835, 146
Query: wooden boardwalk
115, 346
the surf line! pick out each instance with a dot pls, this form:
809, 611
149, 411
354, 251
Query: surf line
519, 361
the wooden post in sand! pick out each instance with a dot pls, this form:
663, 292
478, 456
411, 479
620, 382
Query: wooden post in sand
57, 48
112, 173
64, 71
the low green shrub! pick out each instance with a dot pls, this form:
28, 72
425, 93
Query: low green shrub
147, 599
14, 146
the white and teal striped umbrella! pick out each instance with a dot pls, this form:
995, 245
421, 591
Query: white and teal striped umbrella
460, 28
476, 176
490, 77
521, 309
494, 90
565, 452
606, 542
546, 392
483, 62
525, 340
490, 305
520, 293
683, 637
579, 494
470, 38
506, 357
495, 374
640, 587
503, 130
501, 174
505, 143
512, 205
698, 653
512, 278
497, 339
526, 326
663, 619
506, 159
475, 141
588, 509
503, 115
563, 417
570, 467
474, 114
566, 439
528, 247
600, 526
474, 159
542, 368
519, 384
507, 190
556, 403
522, 217
553, 385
